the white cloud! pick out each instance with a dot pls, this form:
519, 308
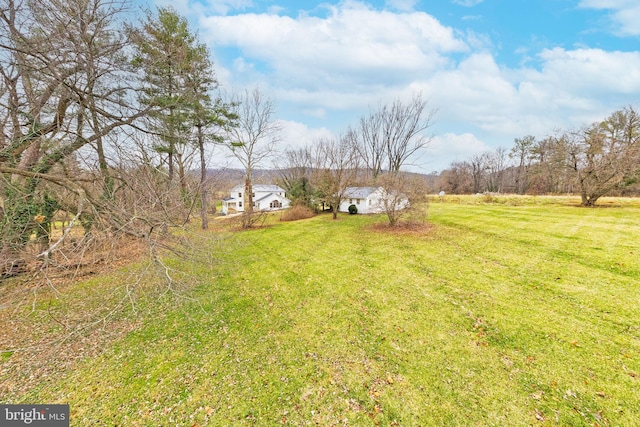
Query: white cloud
275, 9
319, 113
328, 70
319, 101
477, 92
296, 135
350, 59
624, 14
592, 70
293, 135
219, 7
402, 5
570, 88
467, 3
582, 85
451, 147
224, 6
354, 44
464, 145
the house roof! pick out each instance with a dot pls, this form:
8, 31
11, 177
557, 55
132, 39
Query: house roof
271, 195
262, 188
359, 192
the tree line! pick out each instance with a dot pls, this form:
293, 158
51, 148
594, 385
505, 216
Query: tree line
600, 159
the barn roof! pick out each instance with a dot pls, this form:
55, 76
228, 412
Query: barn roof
359, 192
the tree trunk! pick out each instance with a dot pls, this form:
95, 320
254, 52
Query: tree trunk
247, 220
15, 230
248, 194
203, 181
589, 200
170, 160
107, 179
11, 263
182, 177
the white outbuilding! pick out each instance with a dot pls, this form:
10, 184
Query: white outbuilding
369, 200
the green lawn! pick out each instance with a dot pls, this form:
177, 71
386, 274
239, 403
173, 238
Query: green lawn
501, 314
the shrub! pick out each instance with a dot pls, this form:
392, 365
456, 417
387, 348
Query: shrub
489, 197
353, 209
297, 212
252, 219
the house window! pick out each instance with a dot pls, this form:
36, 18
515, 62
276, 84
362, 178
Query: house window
253, 194
275, 204
240, 195
369, 202
350, 201
357, 201
239, 204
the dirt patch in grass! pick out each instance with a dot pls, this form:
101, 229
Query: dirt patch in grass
403, 228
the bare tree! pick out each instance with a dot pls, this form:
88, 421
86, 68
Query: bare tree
403, 195
497, 164
479, 166
389, 137
295, 173
368, 138
335, 167
522, 152
606, 155
548, 172
457, 178
253, 139
66, 88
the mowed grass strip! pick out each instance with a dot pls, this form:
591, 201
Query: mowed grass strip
497, 315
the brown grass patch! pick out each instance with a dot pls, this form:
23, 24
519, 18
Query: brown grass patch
52, 318
296, 213
403, 228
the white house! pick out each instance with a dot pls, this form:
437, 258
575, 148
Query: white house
265, 198
368, 200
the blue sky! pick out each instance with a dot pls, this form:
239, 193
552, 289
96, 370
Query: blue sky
494, 70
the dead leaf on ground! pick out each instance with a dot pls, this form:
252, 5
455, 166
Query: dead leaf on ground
537, 395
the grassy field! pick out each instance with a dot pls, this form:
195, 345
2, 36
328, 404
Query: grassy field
516, 312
